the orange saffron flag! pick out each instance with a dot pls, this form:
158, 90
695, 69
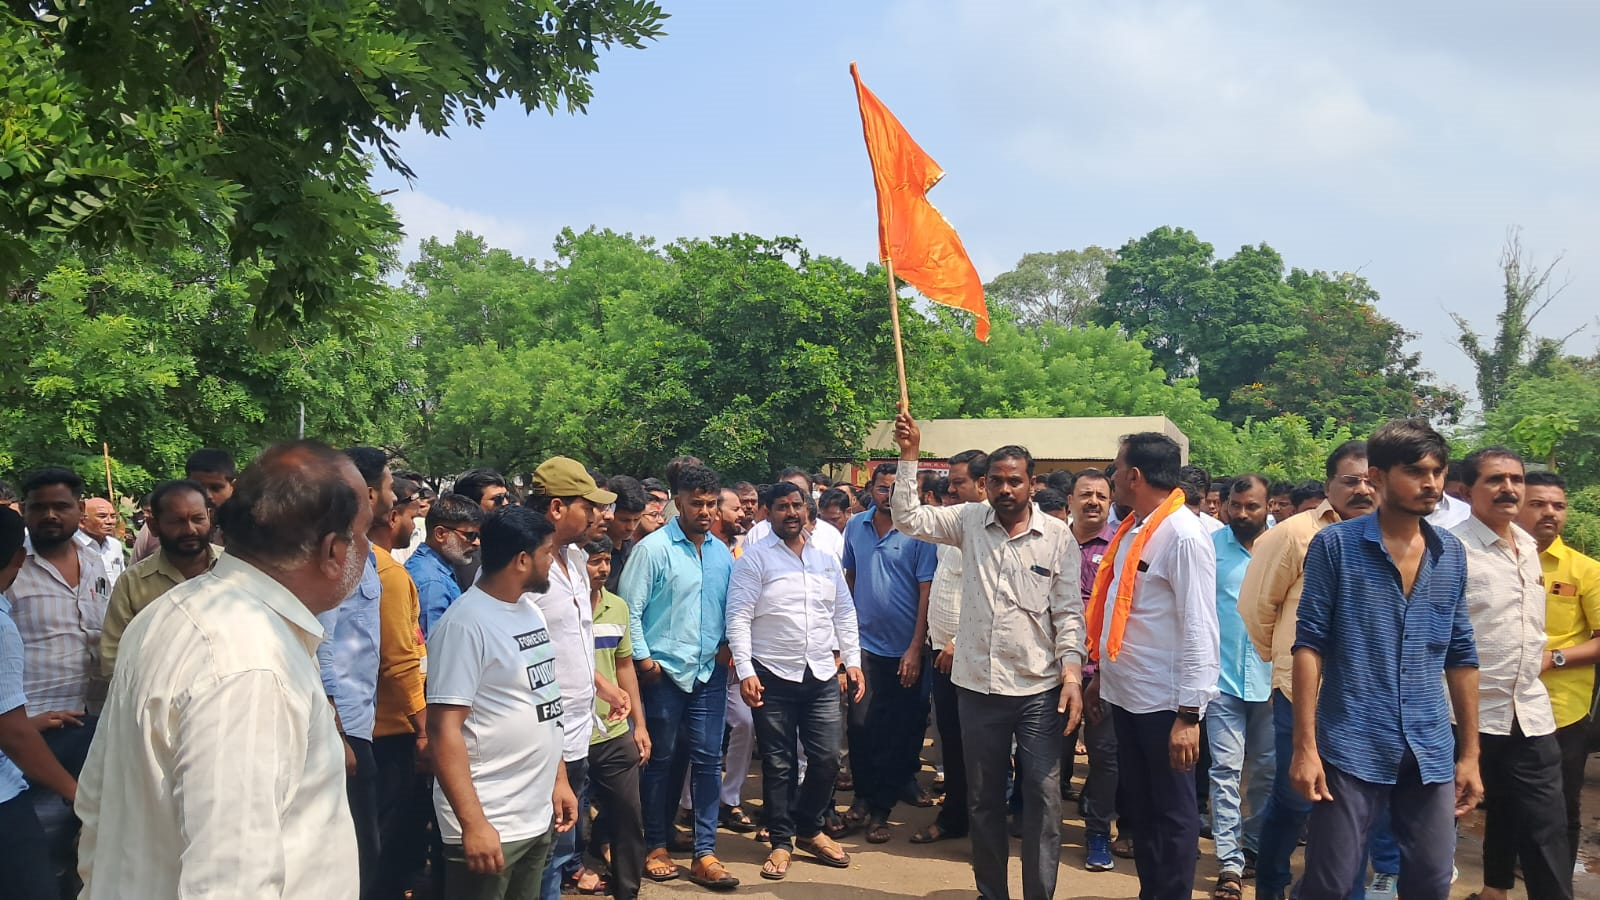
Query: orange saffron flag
914, 239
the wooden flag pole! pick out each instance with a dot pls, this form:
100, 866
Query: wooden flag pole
105, 450
899, 346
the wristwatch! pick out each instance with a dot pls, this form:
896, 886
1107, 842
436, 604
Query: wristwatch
1558, 659
1190, 714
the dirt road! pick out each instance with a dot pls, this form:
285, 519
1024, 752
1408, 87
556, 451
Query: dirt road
941, 871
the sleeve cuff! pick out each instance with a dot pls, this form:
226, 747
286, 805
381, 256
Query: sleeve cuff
744, 669
853, 660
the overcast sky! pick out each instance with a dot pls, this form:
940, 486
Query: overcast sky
1398, 140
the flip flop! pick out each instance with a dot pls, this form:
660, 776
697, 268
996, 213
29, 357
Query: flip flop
932, 833
878, 832
819, 851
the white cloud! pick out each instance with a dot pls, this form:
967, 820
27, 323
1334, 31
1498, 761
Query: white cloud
423, 216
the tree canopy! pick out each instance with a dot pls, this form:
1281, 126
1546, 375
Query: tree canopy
254, 129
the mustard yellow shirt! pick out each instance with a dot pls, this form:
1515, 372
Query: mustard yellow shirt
1572, 616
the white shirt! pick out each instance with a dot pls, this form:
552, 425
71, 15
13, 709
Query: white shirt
60, 628
944, 598
790, 612
498, 659
567, 610
216, 770
1171, 647
1449, 512
1021, 615
112, 557
824, 537
1212, 523
1506, 602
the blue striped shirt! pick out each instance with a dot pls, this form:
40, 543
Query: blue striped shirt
1384, 655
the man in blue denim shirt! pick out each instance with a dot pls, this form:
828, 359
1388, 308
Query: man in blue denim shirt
676, 587
451, 543
1383, 616
348, 656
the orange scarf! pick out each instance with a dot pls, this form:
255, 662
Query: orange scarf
1130, 571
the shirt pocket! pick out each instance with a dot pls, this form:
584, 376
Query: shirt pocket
1562, 617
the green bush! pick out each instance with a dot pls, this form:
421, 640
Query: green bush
1583, 520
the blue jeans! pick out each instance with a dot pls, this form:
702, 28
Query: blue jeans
1286, 817
1241, 738
565, 853
686, 736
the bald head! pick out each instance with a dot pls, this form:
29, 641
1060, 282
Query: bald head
99, 518
300, 511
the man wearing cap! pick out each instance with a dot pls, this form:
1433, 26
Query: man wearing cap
564, 494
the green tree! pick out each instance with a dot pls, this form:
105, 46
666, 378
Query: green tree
157, 357
1054, 287
1351, 366
1050, 371
1554, 418
1516, 351
140, 125
1262, 343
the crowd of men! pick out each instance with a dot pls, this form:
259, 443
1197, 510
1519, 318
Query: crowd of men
323, 677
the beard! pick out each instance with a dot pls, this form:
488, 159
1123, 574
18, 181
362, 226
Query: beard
354, 565
1246, 530
186, 547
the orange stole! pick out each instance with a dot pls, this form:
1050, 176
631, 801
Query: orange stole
1130, 572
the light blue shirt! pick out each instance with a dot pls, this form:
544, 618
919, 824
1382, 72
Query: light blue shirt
436, 583
349, 654
11, 696
1244, 674
677, 602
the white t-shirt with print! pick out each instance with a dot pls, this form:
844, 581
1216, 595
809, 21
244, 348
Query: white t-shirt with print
497, 658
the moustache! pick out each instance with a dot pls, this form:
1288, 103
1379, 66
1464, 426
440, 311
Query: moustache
1507, 498
1361, 500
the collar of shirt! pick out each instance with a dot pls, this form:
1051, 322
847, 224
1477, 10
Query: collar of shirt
1558, 549
272, 593
1371, 532
990, 520
165, 567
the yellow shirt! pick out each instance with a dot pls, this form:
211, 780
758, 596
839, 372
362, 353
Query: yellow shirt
143, 583
1572, 616
400, 651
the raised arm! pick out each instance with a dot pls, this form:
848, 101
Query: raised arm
939, 524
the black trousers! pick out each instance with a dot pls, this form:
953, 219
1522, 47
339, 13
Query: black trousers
614, 785
885, 733
1156, 805
804, 712
404, 798
947, 717
25, 869
1574, 743
1525, 815
362, 791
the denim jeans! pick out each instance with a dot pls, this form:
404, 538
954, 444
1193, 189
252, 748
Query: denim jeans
1286, 817
807, 711
565, 854
1242, 743
685, 735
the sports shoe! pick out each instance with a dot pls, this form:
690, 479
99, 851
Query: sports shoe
1382, 887
1098, 858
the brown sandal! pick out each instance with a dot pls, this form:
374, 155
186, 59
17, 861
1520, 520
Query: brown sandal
776, 867
825, 850
709, 872
658, 866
